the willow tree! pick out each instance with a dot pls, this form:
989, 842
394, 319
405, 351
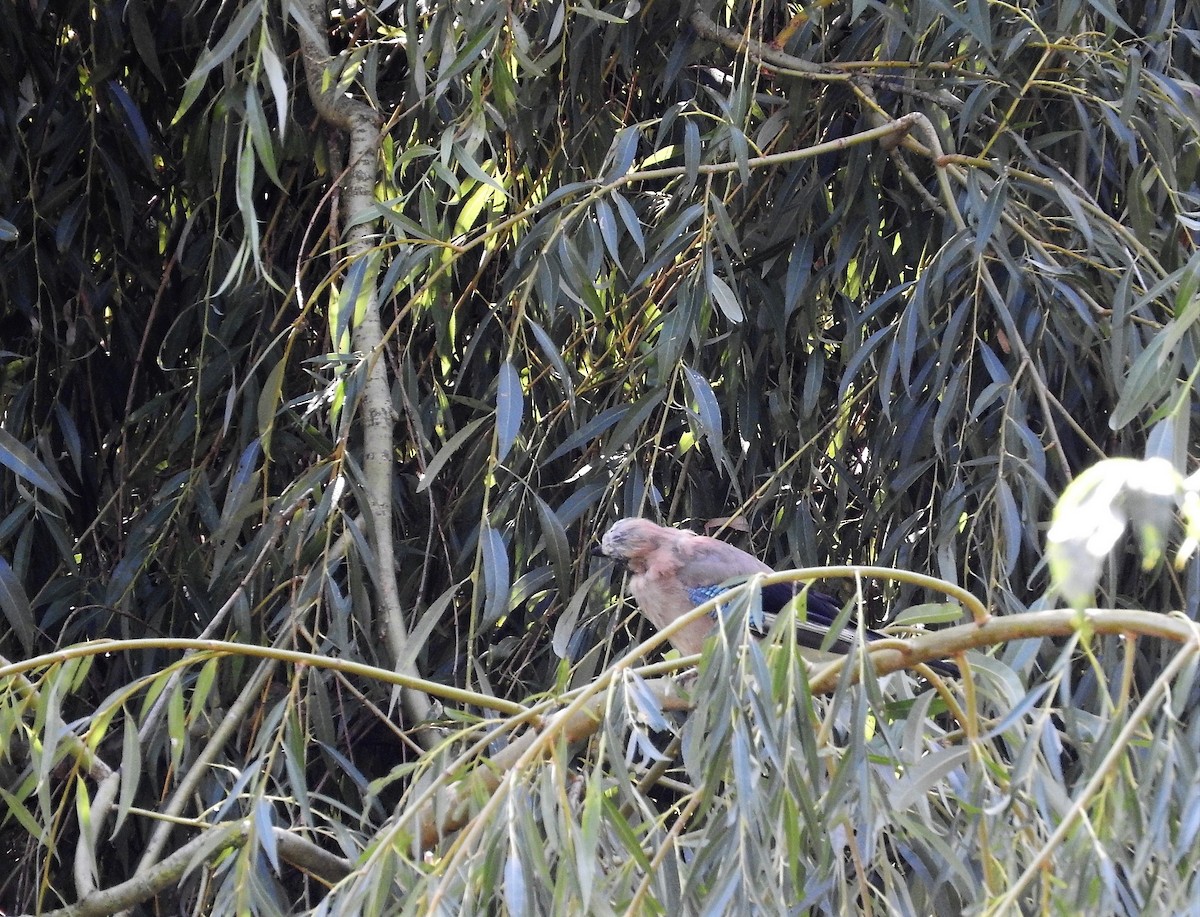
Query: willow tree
334, 334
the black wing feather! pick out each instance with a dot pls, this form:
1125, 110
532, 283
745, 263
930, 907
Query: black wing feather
822, 612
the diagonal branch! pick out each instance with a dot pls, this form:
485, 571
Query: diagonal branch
456, 805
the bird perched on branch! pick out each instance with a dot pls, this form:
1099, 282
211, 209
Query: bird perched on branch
673, 571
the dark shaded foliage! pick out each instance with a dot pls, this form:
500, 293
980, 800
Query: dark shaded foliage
614, 282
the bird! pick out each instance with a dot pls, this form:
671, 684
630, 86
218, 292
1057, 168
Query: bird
674, 570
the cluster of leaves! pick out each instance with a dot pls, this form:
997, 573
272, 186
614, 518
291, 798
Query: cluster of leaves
876, 281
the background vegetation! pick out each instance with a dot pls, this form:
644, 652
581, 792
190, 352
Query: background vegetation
340, 332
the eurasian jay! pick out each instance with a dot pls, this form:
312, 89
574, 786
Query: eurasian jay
674, 570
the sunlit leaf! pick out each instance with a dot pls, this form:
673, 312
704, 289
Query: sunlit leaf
214, 57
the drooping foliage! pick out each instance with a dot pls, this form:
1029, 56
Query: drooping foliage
873, 282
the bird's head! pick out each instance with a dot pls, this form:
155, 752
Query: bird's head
629, 541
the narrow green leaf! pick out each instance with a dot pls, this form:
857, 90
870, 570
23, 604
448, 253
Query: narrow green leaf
677, 329
260, 134
929, 613
670, 242
244, 192
557, 545
447, 451
707, 409
607, 221
242, 484
136, 556
799, 274
131, 770
472, 168
495, 574
264, 831
1079, 216
237, 31
516, 895
922, 779
176, 725
586, 864
137, 126
70, 435
631, 425
741, 153
691, 150
1108, 10
585, 8
268, 402
204, 683
551, 352
15, 605
989, 218
1152, 374
16, 808
419, 635
48, 720
143, 37
632, 224
588, 431
276, 80
159, 682
1011, 529
814, 380
580, 501
17, 458
564, 627
726, 299
510, 407
623, 151
479, 41
619, 823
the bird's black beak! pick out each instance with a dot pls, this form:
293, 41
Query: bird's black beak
598, 551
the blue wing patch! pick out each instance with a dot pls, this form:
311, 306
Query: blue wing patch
814, 631
701, 594
822, 612
822, 609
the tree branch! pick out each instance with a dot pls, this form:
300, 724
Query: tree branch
361, 122
146, 884
452, 807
